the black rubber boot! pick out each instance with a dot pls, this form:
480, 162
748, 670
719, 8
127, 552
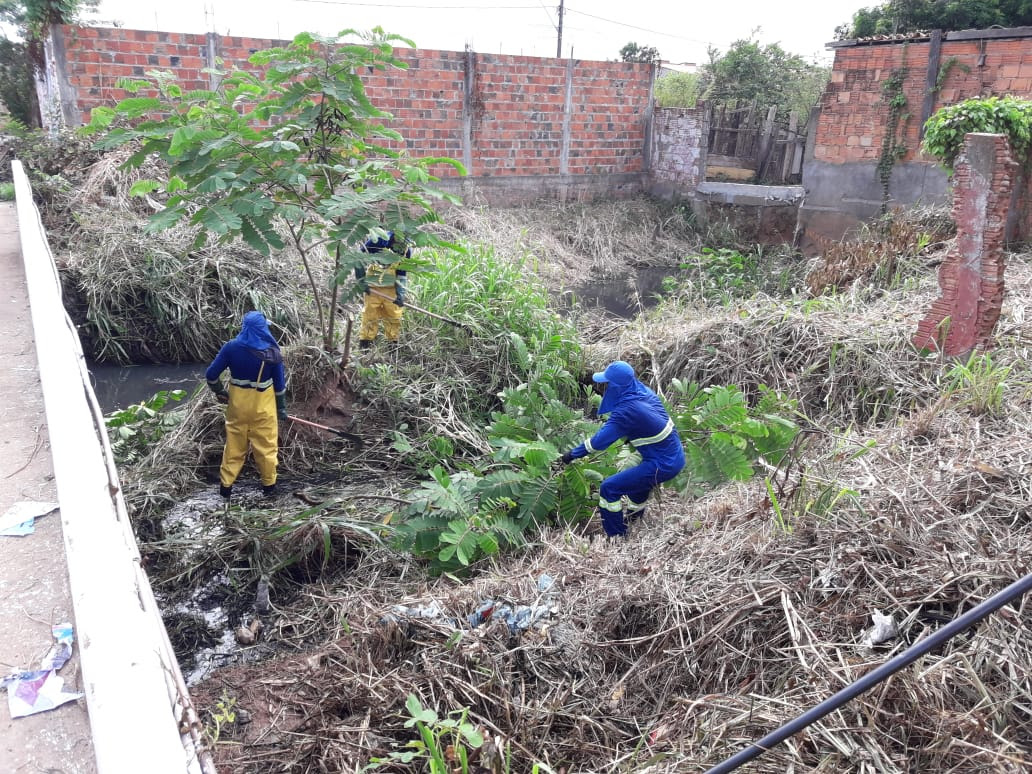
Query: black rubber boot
268, 490
365, 343
225, 491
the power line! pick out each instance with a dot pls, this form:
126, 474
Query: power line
424, 6
634, 27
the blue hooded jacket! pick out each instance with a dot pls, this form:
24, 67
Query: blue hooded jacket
253, 351
637, 415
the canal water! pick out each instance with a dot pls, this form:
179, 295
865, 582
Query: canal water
118, 387
623, 296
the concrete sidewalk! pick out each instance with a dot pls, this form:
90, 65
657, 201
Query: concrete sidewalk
34, 588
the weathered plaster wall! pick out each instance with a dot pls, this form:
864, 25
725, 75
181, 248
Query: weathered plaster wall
679, 138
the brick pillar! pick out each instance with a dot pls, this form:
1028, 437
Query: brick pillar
971, 277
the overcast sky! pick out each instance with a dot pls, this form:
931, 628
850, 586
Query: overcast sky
593, 29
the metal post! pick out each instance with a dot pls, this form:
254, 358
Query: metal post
908, 656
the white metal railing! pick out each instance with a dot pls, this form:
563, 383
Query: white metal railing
141, 715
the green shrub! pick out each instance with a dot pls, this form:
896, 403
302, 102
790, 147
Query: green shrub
132, 431
1009, 116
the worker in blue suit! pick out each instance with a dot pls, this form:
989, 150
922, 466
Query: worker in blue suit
636, 414
256, 398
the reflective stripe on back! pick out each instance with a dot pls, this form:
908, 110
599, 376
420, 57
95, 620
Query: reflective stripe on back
248, 384
661, 435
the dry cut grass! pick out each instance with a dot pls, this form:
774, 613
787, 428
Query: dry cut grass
723, 617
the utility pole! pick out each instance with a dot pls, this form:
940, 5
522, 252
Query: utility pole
559, 43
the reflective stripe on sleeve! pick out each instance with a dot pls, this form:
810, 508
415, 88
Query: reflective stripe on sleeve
666, 431
588, 446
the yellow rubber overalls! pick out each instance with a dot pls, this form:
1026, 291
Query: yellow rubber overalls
251, 419
377, 309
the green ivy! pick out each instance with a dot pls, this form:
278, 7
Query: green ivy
1009, 116
944, 72
893, 149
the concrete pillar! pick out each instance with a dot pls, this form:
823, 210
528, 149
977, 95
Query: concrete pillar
212, 52
58, 98
469, 85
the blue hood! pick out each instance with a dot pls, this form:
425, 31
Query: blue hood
622, 385
256, 336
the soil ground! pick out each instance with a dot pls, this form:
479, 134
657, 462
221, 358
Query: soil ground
33, 576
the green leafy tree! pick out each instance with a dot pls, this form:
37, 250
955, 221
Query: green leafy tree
678, 90
292, 152
632, 52
903, 16
17, 89
765, 73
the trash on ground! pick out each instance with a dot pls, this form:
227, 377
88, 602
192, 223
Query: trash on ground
517, 618
32, 692
19, 519
884, 629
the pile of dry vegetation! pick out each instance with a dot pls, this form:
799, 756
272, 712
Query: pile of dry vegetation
723, 615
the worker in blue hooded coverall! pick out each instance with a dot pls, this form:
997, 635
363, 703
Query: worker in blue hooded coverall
383, 276
636, 414
255, 398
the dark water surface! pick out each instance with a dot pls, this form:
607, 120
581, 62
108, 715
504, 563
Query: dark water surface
622, 296
120, 386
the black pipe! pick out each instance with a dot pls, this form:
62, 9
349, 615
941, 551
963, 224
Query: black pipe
890, 667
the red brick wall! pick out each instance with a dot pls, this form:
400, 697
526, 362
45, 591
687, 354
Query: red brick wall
854, 110
98, 57
608, 122
517, 110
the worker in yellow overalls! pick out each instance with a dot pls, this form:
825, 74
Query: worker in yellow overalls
255, 399
383, 284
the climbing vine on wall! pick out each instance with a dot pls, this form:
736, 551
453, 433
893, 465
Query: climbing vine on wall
944, 72
893, 147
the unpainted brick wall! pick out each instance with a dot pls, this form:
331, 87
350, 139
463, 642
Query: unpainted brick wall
853, 113
971, 277
526, 115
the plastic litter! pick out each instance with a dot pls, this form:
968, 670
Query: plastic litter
20, 518
517, 618
884, 629
32, 692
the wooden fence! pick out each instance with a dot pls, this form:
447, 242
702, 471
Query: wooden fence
749, 144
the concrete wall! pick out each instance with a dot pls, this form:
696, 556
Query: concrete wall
840, 172
679, 140
525, 127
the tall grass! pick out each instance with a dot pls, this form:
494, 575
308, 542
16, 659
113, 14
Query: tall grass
447, 379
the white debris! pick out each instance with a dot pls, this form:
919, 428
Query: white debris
884, 629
